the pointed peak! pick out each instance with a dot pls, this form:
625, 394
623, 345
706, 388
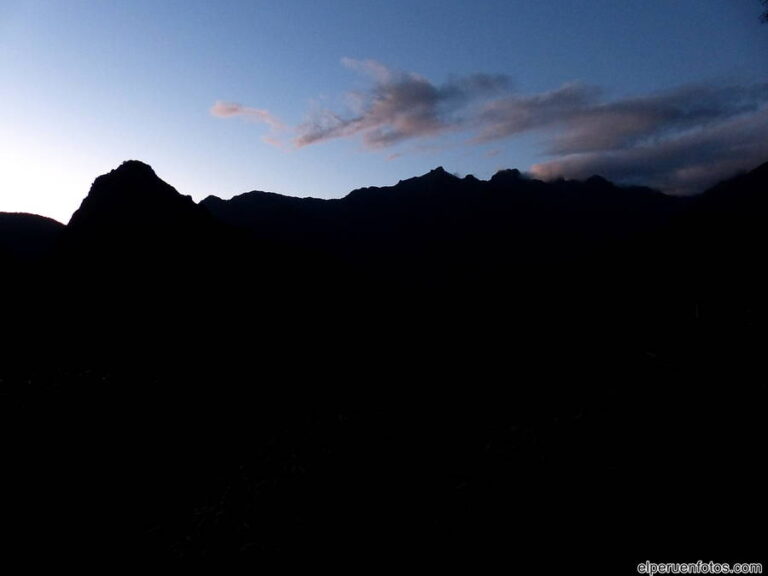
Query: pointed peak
439, 173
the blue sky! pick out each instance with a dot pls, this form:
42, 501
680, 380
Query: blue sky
316, 98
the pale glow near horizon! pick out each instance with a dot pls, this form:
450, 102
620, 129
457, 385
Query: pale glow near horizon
44, 185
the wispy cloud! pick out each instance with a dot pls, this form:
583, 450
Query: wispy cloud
679, 140
582, 122
399, 106
514, 114
234, 110
683, 162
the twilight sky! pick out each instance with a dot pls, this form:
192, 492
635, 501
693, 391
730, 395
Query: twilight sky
318, 97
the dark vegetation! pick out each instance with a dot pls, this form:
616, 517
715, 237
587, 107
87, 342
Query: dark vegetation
448, 367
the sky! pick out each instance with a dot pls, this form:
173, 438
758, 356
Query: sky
319, 97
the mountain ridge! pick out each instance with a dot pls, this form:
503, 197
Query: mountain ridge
502, 177
288, 375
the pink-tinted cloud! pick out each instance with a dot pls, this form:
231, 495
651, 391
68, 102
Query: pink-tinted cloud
234, 110
398, 107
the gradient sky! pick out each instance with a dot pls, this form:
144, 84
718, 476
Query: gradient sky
318, 97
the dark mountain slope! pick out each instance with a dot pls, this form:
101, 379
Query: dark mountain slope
145, 274
729, 219
509, 248
718, 245
27, 236
28, 245
439, 224
440, 368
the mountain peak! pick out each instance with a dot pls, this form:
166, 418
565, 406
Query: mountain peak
439, 173
506, 176
130, 193
135, 167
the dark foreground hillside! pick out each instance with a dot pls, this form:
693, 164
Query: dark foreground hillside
445, 369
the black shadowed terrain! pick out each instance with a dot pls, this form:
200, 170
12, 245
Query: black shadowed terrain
448, 367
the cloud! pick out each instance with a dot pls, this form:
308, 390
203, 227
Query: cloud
678, 140
682, 163
399, 106
371, 68
681, 140
652, 119
515, 114
233, 110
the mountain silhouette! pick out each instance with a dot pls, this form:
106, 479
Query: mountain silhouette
131, 209
131, 194
440, 220
445, 366
27, 236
